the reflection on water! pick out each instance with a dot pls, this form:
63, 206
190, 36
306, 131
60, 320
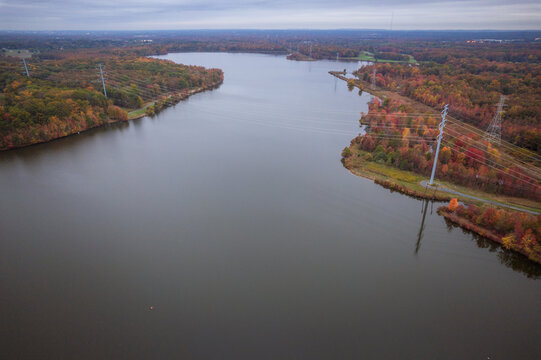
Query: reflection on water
511, 259
63, 144
517, 262
422, 227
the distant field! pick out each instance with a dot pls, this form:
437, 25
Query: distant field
368, 56
20, 53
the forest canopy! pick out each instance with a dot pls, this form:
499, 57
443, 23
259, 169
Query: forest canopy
66, 96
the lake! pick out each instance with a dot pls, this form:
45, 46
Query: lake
226, 227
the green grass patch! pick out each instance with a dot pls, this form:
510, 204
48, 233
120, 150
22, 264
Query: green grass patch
368, 56
392, 172
20, 53
364, 56
137, 112
412, 60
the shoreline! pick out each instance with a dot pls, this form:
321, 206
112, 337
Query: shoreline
181, 96
404, 186
110, 122
481, 231
485, 197
410, 184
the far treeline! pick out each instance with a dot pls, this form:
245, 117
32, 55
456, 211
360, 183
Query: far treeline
65, 96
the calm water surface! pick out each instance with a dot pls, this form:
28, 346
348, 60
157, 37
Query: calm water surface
232, 216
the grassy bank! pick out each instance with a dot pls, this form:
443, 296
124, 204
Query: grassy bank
360, 163
156, 106
406, 182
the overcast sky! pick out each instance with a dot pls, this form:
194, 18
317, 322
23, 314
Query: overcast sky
268, 14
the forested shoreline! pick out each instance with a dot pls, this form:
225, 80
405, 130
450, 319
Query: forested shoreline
472, 84
398, 137
516, 231
65, 96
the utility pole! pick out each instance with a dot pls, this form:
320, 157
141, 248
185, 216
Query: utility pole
102, 81
310, 49
494, 130
440, 135
26, 68
337, 54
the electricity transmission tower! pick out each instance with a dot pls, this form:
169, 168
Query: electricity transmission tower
440, 135
26, 68
494, 130
102, 80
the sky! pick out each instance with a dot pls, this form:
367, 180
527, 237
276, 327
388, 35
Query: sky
269, 14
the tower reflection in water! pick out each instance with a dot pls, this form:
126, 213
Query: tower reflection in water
424, 208
513, 260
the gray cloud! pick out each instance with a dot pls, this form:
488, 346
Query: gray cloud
198, 14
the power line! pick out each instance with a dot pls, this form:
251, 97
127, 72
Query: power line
142, 85
501, 181
378, 136
469, 127
398, 114
493, 167
150, 95
494, 163
378, 126
505, 148
510, 160
503, 156
503, 143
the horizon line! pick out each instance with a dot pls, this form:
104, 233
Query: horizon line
275, 29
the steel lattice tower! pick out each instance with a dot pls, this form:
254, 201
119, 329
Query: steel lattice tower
494, 130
